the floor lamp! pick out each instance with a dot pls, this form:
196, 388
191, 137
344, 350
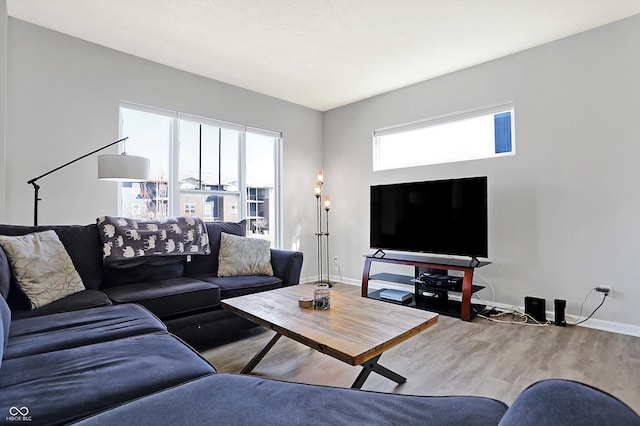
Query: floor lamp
122, 167
320, 232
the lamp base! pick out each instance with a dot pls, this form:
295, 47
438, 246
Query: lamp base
324, 282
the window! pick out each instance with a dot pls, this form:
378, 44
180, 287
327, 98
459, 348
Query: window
257, 209
190, 209
214, 170
470, 135
262, 163
208, 168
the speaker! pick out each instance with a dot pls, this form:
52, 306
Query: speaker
559, 307
535, 307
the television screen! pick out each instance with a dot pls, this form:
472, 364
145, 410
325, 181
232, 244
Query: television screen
443, 217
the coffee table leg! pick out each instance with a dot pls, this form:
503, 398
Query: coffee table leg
372, 365
257, 357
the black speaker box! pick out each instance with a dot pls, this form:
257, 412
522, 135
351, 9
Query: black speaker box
559, 308
535, 307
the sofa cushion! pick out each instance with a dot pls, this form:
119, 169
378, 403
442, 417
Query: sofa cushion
168, 297
145, 272
65, 385
230, 399
82, 300
243, 256
42, 266
239, 286
82, 243
564, 402
208, 264
71, 329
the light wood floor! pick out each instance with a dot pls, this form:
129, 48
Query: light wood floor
459, 358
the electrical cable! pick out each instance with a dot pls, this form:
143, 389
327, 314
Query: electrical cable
594, 311
577, 321
525, 319
337, 266
583, 302
493, 293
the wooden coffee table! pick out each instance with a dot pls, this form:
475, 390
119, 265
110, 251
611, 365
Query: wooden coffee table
355, 330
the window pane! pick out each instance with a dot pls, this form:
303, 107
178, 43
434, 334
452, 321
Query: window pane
210, 156
261, 178
149, 136
209, 162
189, 155
229, 165
444, 141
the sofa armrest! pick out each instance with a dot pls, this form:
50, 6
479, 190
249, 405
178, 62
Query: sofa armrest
287, 265
566, 402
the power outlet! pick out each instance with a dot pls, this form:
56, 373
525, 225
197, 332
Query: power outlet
604, 288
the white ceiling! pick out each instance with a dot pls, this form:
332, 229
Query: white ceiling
321, 53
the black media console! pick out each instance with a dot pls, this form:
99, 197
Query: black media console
431, 282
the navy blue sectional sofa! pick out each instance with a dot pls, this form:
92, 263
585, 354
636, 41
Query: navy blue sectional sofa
185, 294
58, 368
94, 358
116, 365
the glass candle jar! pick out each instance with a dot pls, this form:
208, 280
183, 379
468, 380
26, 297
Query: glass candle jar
321, 296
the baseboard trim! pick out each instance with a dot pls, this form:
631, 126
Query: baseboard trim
597, 324
614, 327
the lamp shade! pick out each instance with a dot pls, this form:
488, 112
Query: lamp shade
123, 167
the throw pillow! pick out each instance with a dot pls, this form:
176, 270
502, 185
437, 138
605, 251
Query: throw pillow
41, 266
243, 256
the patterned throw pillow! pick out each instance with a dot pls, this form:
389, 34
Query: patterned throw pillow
243, 256
41, 266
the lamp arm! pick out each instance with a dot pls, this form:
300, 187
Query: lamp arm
36, 187
32, 181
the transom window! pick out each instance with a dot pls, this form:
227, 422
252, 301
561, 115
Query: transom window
214, 170
471, 135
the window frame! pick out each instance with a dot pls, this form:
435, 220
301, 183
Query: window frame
173, 189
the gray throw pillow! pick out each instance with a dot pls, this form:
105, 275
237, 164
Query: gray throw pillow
243, 256
41, 266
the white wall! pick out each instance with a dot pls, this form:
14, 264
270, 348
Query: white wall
564, 212
62, 101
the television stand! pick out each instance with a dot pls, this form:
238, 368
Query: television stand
378, 254
465, 266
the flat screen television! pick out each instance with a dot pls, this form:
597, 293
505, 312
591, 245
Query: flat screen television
441, 217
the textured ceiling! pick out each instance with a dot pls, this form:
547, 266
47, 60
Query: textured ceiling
321, 53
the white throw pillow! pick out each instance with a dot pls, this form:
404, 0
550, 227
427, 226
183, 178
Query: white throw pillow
243, 256
41, 266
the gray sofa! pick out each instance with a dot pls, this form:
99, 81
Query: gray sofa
114, 365
184, 293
